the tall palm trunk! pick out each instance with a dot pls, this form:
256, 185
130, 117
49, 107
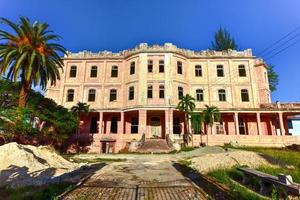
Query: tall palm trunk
23, 94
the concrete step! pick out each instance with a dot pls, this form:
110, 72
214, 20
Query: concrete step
155, 146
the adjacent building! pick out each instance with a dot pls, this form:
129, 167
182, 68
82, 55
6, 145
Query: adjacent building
135, 92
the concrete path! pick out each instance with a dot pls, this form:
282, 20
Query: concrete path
141, 177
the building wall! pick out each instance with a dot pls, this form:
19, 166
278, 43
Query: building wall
254, 81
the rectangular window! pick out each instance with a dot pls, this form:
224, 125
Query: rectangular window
132, 68
92, 95
220, 71
114, 71
180, 92
134, 125
150, 92
161, 66
244, 95
242, 71
199, 95
290, 124
179, 67
73, 71
161, 91
70, 95
198, 70
222, 95
114, 125
131, 93
113, 95
150, 66
94, 70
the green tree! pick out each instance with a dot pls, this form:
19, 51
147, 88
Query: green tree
223, 41
30, 55
197, 121
186, 105
211, 115
78, 109
272, 77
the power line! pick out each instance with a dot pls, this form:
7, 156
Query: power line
276, 42
285, 43
282, 50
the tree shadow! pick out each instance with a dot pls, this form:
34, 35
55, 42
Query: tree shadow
16, 176
213, 189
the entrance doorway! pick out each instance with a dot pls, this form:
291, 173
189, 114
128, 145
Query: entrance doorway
242, 126
155, 127
93, 127
107, 147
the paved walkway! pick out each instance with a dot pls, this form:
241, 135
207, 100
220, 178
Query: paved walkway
141, 177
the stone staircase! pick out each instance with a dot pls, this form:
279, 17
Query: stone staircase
154, 146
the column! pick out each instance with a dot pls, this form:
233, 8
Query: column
142, 121
282, 130
122, 123
258, 123
169, 122
236, 123
100, 122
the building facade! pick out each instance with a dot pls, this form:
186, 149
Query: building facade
135, 92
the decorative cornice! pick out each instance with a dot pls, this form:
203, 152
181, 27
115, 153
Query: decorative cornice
167, 47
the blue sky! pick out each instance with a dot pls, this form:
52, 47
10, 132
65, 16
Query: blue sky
120, 24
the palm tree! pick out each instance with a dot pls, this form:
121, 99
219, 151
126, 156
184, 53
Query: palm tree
78, 109
186, 105
30, 55
196, 122
211, 115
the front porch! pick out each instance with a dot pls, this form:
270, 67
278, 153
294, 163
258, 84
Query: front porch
113, 131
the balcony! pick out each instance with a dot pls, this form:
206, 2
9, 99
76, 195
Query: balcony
281, 106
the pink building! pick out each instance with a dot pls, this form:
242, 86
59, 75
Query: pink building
135, 92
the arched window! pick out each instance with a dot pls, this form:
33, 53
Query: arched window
132, 68
199, 95
70, 95
92, 95
113, 95
222, 95
131, 93
220, 71
73, 71
180, 92
94, 71
198, 70
179, 67
244, 95
242, 71
114, 71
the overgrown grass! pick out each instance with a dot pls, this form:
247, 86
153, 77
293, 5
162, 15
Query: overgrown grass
35, 192
92, 160
237, 191
283, 156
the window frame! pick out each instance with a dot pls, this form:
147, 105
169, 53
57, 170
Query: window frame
114, 71
242, 71
245, 95
180, 92
220, 71
70, 92
150, 66
149, 91
131, 93
222, 95
161, 66
161, 91
90, 97
113, 95
179, 67
198, 70
72, 73
199, 95
94, 72
134, 125
132, 68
